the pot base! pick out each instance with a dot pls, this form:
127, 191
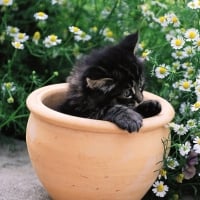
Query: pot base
85, 159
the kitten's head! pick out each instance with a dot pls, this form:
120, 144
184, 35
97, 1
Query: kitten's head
115, 72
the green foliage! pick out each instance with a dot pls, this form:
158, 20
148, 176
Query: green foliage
51, 34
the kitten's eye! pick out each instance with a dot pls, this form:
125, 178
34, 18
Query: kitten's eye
127, 94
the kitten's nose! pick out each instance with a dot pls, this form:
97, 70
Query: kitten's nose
139, 97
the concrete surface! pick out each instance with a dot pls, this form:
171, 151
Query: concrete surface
17, 178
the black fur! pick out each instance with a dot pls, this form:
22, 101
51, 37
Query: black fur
108, 84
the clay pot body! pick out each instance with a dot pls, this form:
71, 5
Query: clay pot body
84, 159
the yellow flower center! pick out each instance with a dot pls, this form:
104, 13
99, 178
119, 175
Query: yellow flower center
179, 53
5, 2
160, 188
17, 45
198, 43
163, 172
162, 70
179, 178
145, 54
174, 19
186, 84
76, 29
162, 19
197, 105
8, 85
94, 29
36, 35
192, 35
178, 42
190, 70
109, 34
41, 14
198, 141
21, 35
83, 34
13, 30
53, 38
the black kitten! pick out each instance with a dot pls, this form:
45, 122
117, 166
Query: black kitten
108, 85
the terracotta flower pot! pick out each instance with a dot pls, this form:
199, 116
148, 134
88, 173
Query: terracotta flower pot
84, 159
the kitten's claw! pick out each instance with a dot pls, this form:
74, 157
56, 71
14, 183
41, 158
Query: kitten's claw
125, 118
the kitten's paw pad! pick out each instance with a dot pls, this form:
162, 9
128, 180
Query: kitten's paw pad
149, 108
125, 118
130, 122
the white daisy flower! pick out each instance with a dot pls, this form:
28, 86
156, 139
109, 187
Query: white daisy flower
196, 43
160, 189
195, 106
159, 4
21, 37
12, 31
185, 85
17, 45
191, 5
162, 20
75, 30
36, 37
145, 54
51, 40
184, 106
108, 35
82, 37
10, 86
40, 16
179, 55
169, 36
185, 65
172, 163
162, 173
197, 90
184, 149
105, 12
190, 71
162, 71
180, 129
173, 19
175, 85
177, 42
176, 65
60, 2
191, 123
196, 147
189, 51
6, 2
195, 4
191, 34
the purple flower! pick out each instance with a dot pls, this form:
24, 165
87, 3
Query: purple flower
189, 170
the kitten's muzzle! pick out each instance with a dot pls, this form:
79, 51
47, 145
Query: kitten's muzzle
139, 97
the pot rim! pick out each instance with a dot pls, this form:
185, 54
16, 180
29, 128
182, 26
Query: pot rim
36, 106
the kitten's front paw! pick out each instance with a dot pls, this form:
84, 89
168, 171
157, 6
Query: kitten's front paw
125, 118
149, 108
130, 121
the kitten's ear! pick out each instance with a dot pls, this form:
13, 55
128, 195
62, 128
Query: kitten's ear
130, 42
103, 84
